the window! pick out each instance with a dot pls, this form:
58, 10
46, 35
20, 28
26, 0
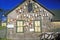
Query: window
30, 7
8, 20
4, 24
37, 26
19, 26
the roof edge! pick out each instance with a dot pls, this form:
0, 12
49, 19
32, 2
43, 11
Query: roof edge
13, 8
44, 7
56, 20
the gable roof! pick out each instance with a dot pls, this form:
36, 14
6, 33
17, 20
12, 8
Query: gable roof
24, 1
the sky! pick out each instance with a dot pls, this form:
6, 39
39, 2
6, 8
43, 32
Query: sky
10, 4
50, 4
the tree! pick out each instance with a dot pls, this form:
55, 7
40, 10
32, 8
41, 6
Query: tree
0, 18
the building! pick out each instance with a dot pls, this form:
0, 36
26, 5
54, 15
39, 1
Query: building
56, 20
28, 20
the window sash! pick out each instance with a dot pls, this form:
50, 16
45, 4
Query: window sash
20, 23
20, 29
37, 23
37, 29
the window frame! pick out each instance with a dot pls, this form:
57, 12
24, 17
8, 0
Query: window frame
38, 26
20, 26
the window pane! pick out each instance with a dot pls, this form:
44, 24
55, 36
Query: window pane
36, 29
39, 23
19, 29
39, 29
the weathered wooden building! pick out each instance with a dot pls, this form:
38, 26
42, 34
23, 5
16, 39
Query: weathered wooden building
28, 20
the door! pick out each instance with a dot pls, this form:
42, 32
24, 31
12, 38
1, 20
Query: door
28, 29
